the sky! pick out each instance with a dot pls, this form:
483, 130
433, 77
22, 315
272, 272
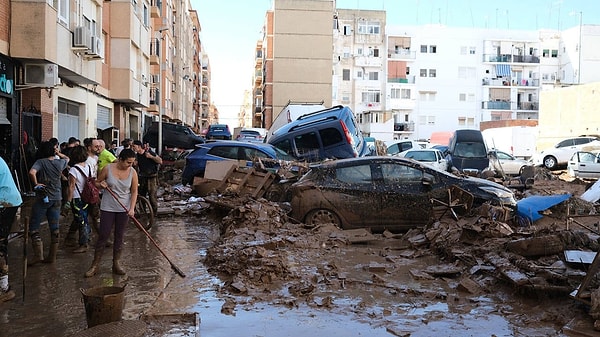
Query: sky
231, 28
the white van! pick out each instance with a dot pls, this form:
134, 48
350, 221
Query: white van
291, 112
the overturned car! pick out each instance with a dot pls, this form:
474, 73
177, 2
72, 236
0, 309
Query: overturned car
387, 193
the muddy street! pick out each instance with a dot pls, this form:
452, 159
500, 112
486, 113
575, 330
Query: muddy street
278, 279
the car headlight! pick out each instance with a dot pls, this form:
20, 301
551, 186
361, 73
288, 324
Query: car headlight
500, 193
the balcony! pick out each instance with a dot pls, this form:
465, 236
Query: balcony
533, 106
511, 58
404, 127
155, 51
409, 80
507, 82
401, 54
155, 8
496, 105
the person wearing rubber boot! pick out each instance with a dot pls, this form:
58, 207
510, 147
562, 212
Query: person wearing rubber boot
122, 180
10, 201
45, 174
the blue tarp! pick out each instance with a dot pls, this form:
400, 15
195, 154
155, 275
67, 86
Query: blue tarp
503, 70
531, 206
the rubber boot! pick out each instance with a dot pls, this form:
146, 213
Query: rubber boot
71, 240
38, 249
54, 239
116, 264
94, 267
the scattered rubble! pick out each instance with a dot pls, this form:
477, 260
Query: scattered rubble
262, 253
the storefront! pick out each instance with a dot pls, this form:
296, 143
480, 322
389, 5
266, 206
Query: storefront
9, 113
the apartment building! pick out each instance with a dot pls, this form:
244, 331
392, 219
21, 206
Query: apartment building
98, 69
297, 59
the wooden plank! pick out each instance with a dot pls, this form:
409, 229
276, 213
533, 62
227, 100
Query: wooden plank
507, 269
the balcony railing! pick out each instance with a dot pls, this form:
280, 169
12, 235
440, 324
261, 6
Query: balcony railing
496, 105
400, 127
402, 54
409, 80
511, 58
528, 106
506, 82
155, 8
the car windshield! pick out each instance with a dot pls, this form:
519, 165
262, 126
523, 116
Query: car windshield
428, 156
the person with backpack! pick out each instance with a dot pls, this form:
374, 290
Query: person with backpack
78, 175
148, 163
45, 175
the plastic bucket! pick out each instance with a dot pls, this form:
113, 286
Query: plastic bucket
103, 304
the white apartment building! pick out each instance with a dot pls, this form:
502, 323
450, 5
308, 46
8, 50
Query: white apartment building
411, 81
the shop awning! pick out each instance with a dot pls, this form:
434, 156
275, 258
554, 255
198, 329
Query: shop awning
503, 70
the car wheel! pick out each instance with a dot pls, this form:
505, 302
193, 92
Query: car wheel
322, 217
550, 162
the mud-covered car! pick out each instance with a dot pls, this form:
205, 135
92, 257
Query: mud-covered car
383, 193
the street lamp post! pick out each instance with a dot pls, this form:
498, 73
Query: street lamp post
579, 66
161, 107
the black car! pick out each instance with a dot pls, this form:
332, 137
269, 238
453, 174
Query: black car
384, 193
174, 136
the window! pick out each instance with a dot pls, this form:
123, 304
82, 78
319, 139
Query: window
307, 144
62, 7
330, 136
466, 72
405, 94
395, 93
375, 52
423, 48
432, 73
472, 50
346, 74
432, 49
374, 76
346, 52
68, 107
360, 174
368, 27
145, 15
423, 72
462, 97
359, 75
347, 30
371, 96
393, 173
359, 51
545, 52
554, 53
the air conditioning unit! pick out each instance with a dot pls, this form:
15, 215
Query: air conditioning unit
82, 38
97, 50
41, 74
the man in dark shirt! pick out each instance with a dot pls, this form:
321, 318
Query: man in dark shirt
147, 166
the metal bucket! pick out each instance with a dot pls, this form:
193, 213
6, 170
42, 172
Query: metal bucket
103, 304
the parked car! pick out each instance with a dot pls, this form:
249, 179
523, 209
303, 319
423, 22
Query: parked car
250, 136
195, 162
432, 157
584, 165
468, 153
174, 135
503, 162
382, 192
331, 133
560, 154
218, 131
396, 146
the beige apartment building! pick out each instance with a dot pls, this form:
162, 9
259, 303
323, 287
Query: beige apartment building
296, 56
99, 69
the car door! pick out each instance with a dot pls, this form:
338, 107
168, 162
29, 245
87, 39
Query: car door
351, 195
404, 198
564, 150
589, 165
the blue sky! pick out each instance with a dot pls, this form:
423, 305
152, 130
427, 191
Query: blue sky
230, 29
